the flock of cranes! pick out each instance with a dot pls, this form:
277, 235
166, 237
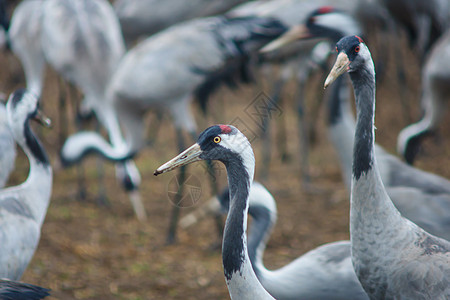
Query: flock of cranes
399, 215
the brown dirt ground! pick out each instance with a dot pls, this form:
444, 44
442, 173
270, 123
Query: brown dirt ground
89, 251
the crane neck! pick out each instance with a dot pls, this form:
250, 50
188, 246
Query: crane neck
40, 177
370, 205
363, 81
263, 221
240, 278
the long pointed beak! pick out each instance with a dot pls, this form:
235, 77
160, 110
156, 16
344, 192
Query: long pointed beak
340, 67
190, 155
42, 119
296, 32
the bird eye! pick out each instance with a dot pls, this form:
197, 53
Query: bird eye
217, 139
357, 49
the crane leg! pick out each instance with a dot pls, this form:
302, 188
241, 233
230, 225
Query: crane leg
102, 199
175, 215
303, 130
265, 134
62, 120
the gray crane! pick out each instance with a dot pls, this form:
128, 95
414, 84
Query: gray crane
196, 56
82, 41
15, 290
322, 273
391, 255
7, 148
228, 145
23, 207
434, 100
142, 18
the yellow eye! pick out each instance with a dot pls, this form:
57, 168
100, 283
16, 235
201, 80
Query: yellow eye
217, 139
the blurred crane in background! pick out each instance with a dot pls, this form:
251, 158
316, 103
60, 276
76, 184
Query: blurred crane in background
81, 40
435, 99
142, 18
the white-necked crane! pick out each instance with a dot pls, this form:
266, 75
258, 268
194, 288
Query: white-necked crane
196, 56
323, 273
15, 290
434, 100
392, 256
7, 148
142, 18
228, 145
82, 41
23, 207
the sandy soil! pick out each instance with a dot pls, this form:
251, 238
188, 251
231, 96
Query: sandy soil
92, 251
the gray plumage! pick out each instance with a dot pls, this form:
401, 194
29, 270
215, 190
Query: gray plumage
142, 18
435, 99
7, 148
14, 290
24, 37
393, 257
82, 41
325, 272
23, 207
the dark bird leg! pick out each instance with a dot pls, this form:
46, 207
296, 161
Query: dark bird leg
266, 118
173, 223
302, 124
102, 199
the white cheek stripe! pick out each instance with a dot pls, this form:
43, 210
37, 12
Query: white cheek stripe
239, 144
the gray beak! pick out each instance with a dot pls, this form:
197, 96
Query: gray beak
296, 32
190, 155
340, 67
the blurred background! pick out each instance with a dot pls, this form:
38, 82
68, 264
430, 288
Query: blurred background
91, 249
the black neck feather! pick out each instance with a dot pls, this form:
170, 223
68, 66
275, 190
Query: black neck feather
233, 254
34, 145
363, 82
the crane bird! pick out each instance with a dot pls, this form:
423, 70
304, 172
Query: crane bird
15, 290
142, 18
23, 207
7, 148
195, 55
82, 41
422, 197
392, 256
320, 274
435, 96
231, 147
